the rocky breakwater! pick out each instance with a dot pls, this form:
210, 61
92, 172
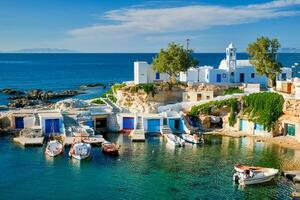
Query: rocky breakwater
34, 97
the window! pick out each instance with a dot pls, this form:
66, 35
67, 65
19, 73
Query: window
224, 75
157, 76
199, 96
252, 75
283, 76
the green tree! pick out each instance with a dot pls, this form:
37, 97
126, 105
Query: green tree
263, 56
173, 60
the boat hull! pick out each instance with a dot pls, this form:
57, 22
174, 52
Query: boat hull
80, 151
248, 175
174, 140
54, 148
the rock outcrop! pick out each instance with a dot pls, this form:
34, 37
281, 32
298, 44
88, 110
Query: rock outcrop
36, 96
10, 91
140, 101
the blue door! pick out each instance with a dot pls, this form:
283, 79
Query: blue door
154, 125
52, 126
219, 78
19, 122
157, 76
243, 125
258, 127
128, 123
175, 124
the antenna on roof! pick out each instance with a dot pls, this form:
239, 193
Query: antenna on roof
187, 43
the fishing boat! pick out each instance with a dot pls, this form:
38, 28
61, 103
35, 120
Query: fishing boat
110, 148
54, 148
80, 150
194, 139
247, 175
174, 140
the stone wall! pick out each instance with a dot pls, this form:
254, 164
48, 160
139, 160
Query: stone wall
292, 107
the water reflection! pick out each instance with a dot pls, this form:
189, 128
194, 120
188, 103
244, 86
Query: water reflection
191, 172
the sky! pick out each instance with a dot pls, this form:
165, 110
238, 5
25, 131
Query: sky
112, 26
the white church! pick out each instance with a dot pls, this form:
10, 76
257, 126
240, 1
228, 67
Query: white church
229, 71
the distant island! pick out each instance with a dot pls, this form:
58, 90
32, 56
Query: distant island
289, 50
42, 50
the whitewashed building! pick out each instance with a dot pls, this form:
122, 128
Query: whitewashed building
143, 73
230, 70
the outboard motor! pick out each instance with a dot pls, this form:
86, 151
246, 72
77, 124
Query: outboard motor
236, 178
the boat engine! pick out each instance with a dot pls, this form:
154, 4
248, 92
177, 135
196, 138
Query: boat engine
236, 178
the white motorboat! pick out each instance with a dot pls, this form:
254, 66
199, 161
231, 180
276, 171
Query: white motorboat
247, 175
80, 151
174, 140
54, 148
194, 139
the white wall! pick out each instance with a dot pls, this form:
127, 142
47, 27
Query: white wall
247, 76
287, 71
29, 122
140, 72
297, 90
212, 76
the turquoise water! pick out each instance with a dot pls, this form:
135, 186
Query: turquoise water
151, 170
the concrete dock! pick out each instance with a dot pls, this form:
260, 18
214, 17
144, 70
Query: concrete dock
26, 141
137, 135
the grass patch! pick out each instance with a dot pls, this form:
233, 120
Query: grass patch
98, 101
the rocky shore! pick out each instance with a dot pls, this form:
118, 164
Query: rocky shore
20, 99
37, 96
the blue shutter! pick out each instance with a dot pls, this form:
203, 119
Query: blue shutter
52, 126
154, 125
128, 123
19, 122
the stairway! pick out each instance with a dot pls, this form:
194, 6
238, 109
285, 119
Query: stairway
166, 130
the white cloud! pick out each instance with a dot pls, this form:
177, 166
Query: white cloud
136, 22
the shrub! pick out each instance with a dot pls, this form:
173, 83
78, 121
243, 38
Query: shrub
232, 90
146, 87
205, 108
263, 108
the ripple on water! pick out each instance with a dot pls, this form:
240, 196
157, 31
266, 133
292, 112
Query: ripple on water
144, 170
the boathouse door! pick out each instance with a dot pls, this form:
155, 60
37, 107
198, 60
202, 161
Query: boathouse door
52, 126
153, 125
243, 125
19, 122
128, 123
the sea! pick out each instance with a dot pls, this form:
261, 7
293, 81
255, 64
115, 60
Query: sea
57, 72
151, 170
